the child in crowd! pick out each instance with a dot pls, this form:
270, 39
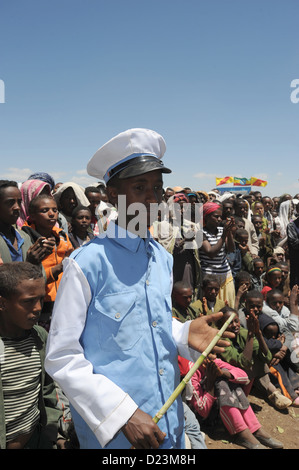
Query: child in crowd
256, 276
257, 208
239, 222
181, 299
265, 250
287, 319
285, 281
242, 284
241, 241
281, 367
218, 383
250, 352
43, 214
240, 208
210, 303
81, 227
272, 279
217, 242
29, 414
95, 195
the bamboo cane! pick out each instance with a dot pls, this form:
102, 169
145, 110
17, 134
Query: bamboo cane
193, 369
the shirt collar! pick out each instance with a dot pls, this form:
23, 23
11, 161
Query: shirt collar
127, 239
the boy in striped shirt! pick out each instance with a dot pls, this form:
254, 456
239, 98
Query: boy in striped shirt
28, 414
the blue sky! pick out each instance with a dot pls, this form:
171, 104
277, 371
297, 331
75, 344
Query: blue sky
213, 77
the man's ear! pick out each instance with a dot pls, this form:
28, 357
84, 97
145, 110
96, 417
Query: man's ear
2, 303
112, 193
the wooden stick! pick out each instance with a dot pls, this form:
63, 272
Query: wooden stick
193, 369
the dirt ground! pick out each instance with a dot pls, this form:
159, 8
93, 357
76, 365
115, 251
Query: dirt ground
283, 425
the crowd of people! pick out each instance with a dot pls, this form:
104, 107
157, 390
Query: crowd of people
245, 263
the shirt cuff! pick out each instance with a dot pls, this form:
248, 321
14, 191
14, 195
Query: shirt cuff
113, 423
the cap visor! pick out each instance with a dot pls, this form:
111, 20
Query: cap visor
142, 168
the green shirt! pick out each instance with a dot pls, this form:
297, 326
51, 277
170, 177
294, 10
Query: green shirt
185, 314
234, 354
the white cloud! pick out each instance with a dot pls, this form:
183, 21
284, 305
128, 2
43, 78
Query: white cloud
203, 175
16, 174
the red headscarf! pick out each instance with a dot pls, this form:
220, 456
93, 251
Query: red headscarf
208, 208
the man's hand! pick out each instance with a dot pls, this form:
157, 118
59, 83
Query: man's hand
142, 432
201, 333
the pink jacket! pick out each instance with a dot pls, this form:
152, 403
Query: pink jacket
201, 400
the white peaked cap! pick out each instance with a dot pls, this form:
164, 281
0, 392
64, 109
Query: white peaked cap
130, 153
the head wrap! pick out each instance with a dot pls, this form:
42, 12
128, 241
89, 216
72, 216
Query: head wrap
271, 270
29, 190
43, 177
79, 193
210, 207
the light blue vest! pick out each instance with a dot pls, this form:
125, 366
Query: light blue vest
128, 331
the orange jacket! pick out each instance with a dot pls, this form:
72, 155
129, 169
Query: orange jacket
62, 249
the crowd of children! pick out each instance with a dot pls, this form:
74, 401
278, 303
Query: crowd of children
243, 264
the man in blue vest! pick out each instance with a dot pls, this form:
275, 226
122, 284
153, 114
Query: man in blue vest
113, 344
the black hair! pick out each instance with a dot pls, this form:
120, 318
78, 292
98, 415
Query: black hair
238, 201
208, 278
257, 260
7, 184
226, 309
12, 274
241, 231
92, 189
254, 294
239, 219
32, 208
181, 285
271, 294
78, 209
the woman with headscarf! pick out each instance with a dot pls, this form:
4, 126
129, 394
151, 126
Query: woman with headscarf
217, 242
29, 190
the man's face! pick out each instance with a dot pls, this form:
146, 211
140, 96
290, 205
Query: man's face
22, 311
183, 297
68, 201
255, 304
227, 209
144, 189
284, 273
258, 268
240, 209
10, 205
258, 223
267, 204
